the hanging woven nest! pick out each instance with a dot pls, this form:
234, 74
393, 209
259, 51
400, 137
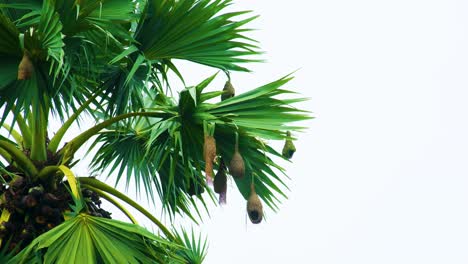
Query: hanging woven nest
254, 206
237, 166
25, 68
209, 152
220, 182
289, 148
228, 91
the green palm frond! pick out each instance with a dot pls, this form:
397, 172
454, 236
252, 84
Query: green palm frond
165, 156
9, 35
260, 109
126, 85
49, 37
112, 59
112, 16
195, 247
125, 151
153, 167
18, 10
194, 30
89, 239
10, 52
63, 44
5, 255
44, 42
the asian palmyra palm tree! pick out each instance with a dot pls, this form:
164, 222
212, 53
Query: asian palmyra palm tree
109, 60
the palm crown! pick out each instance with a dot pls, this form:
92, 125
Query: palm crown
110, 60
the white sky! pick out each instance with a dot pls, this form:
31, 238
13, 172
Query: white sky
381, 175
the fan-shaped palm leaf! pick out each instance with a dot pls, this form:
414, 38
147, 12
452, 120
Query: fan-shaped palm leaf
195, 248
88, 239
194, 30
164, 156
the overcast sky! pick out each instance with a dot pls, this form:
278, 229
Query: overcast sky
381, 174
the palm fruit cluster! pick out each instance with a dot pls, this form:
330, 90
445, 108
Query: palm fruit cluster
34, 209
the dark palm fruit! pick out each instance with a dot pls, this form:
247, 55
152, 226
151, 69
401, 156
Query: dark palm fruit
254, 206
29, 201
55, 216
51, 199
25, 68
18, 203
209, 152
10, 227
47, 210
236, 166
289, 148
40, 219
17, 183
228, 90
87, 193
220, 182
25, 234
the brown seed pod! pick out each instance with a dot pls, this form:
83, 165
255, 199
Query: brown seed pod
25, 68
237, 166
289, 148
209, 152
228, 90
254, 206
220, 182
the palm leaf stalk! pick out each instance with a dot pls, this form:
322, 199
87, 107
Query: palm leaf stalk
109, 61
